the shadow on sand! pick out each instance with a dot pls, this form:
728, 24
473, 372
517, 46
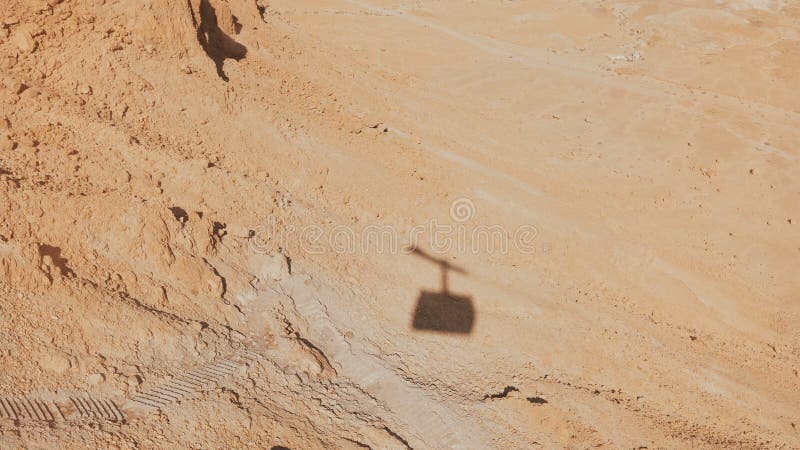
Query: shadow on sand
217, 45
443, 311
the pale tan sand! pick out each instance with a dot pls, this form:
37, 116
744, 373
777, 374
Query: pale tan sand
151, 215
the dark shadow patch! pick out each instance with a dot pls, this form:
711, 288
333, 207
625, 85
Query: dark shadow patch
536, 400
59, 261
401, 439
223, 281
262, 10
217, 45
180, 214
219, 229
507, 390
443, 311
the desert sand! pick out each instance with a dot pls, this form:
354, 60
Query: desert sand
399, 224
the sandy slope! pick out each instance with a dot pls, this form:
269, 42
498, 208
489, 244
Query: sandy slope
153, 220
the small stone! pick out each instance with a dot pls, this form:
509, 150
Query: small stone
128, 370
237, 230
269, 267
11, 20
134, 380
309, 366
6, 143
354, 125
15, 85
186, 69
30, 93
41, 6
95, 379
57, 363
123, 177
8, 63
84, 89
24, 41
28, 141
120, 110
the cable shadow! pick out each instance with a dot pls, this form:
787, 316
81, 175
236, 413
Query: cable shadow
443, 311
217, 45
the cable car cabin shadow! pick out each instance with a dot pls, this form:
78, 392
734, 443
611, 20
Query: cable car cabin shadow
443, 311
